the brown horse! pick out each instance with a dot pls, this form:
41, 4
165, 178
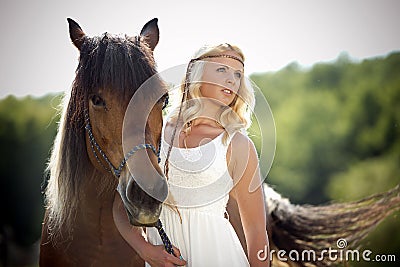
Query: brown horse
88, 156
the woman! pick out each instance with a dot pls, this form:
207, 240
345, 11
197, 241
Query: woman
211, 159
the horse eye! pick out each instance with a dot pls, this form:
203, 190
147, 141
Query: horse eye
98, 101
164, 100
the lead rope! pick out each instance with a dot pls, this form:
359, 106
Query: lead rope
164, 238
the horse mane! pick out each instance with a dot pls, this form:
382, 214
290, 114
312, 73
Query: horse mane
307, 227
109, 62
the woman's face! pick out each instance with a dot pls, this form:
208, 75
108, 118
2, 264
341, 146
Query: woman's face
221, 78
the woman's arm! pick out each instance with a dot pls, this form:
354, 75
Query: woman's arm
246, 174
155, 255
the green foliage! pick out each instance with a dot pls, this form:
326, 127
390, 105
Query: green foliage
332, 122
26, 134
338, 135
364, 178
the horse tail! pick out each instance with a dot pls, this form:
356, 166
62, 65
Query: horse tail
306, 228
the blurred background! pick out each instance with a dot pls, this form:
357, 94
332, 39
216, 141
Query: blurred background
338, 139
330, 72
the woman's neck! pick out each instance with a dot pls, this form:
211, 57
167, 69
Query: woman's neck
204, 120
209, 115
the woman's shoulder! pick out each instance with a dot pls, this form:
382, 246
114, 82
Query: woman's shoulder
241, 139
241, 145
169, 127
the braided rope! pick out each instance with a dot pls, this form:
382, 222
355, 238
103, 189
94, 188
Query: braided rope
164, 237
219, 55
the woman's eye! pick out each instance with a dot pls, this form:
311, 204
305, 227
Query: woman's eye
221, 69
238, 75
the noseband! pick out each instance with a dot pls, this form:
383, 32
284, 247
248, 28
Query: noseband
117, 171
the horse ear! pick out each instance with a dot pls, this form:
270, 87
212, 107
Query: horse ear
76, 33
151, 33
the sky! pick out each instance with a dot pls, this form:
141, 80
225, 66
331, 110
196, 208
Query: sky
37, 57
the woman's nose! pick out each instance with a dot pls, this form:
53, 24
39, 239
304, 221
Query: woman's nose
230, 79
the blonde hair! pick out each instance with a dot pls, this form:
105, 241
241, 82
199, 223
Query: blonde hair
236, 116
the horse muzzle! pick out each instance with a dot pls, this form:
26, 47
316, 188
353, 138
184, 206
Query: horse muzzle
143, 201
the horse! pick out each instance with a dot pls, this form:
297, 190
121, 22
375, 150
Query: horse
87, 161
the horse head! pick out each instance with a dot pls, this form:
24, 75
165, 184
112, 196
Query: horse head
111, 70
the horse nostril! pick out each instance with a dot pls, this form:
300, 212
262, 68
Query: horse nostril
149, 194
129, 191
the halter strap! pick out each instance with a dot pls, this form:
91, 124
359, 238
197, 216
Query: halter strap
111, 168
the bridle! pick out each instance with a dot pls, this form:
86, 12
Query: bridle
111, 168
116, 171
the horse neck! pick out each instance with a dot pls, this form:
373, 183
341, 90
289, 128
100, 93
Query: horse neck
95, 240
96, 199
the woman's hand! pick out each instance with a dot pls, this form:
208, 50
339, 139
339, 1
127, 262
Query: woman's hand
157, 256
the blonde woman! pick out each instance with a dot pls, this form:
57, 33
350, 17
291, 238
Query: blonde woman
208, 158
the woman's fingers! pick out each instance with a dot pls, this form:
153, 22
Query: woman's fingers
161, 258
176, 260
176, 251
178, 256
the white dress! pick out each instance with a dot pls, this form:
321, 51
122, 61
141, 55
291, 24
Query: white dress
199, 184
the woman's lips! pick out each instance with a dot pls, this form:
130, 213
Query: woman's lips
227, 91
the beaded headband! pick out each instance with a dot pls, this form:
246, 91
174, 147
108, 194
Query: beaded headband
214, 56
186, 86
